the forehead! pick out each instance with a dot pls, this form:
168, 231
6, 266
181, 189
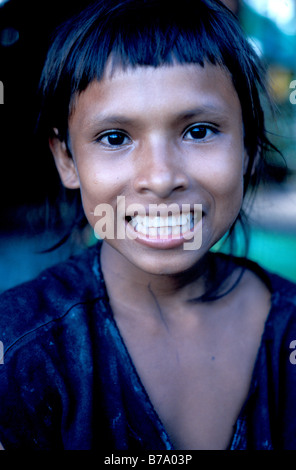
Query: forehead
161, 91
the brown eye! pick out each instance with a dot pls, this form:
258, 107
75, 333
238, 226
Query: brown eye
113, 139
199, 132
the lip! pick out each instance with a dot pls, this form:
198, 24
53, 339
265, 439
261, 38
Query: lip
169, 242
158, 209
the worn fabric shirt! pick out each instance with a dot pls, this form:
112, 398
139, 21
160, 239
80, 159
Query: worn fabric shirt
68, 382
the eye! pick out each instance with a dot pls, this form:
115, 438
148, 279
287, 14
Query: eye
200, 132
113, 139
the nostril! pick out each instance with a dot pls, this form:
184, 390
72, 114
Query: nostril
181, 188
161, 184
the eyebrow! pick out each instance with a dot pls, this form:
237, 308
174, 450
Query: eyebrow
209, 111
102, 119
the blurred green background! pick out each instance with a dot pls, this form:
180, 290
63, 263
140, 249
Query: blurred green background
25, 27
270, 26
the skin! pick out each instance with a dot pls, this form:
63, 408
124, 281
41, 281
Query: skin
194, 359
157, 164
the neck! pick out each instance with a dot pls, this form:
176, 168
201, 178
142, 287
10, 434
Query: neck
123, 279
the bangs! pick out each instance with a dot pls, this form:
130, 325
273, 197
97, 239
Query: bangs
134, 33
142, 33
148, 37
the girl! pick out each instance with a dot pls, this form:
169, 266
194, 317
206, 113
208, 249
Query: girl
149, 339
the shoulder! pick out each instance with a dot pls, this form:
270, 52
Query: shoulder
281, 292
281, 288
282, 317
50, 295
281, 321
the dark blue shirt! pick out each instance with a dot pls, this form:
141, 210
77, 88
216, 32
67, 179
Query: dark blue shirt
68, 382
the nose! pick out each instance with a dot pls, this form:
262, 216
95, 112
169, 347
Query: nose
160, 170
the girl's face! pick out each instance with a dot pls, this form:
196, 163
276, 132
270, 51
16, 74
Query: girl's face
166, 135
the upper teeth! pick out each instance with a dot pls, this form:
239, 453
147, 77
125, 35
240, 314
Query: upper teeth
160, 221
164, 225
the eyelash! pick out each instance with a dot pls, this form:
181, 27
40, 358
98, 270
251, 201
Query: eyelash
114, 132
121, 134
205, 127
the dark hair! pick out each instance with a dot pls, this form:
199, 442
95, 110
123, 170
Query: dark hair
153, 32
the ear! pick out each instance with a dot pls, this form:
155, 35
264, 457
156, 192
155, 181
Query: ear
64, 162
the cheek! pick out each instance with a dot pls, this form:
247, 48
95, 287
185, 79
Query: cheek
228, 167
226, 186
96, 183
99, 190
230, 202
227, 183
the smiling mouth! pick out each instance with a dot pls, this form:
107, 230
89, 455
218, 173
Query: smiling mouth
172, 226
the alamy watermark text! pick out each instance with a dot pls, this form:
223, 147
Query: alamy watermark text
1, 93
157, 221
292, 356
1, 353
293, 94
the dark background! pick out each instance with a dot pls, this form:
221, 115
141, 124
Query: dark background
25, 28
28, 175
